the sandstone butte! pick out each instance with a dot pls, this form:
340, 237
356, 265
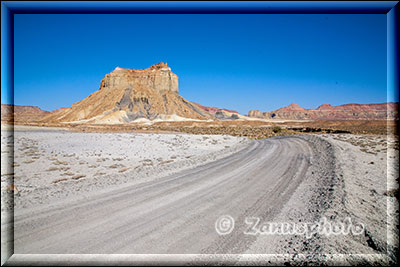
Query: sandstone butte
328, 112
126, 95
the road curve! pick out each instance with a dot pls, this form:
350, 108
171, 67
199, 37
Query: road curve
175, 214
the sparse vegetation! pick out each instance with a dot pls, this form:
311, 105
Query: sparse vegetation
59, 180
252, 129
392, 192
58, 162
166, 162
123, 170
114, 166
78, 176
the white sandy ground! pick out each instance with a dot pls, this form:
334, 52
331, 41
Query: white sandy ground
50, 164
121, 117
332, 176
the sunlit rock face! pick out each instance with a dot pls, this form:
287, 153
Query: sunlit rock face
126, 95
256, 114
158, 77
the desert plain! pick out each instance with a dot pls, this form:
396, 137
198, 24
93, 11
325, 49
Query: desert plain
81, 190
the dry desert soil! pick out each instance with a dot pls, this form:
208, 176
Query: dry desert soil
162, 193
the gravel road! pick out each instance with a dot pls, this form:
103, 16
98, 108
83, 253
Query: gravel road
276, 178
176, 214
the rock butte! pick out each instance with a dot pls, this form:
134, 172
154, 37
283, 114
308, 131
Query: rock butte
126, 95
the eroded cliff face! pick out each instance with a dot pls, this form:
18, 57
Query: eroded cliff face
328, 112
256, 114
126, 95
158, 77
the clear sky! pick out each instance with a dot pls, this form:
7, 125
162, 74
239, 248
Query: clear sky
239, 62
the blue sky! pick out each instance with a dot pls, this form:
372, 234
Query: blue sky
239, 62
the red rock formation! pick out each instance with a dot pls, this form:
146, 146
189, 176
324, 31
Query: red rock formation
328, 112
325, 107
292, 107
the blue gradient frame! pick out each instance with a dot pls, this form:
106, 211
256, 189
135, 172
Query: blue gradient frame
9, 8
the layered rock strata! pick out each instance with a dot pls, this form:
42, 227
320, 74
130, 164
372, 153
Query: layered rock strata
328, 112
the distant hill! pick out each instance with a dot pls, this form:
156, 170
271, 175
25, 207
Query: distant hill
21, 113
214, 110
328, 112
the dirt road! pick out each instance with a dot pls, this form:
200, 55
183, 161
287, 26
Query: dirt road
176, 214
179, 218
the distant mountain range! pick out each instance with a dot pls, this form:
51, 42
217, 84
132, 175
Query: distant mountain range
327, 112
152, 94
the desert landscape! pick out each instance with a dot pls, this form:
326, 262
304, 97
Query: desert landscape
135, 168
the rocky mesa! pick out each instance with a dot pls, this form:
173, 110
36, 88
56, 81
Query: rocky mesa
384, 111
128, 95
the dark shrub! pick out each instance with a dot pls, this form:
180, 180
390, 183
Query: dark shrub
276, 129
